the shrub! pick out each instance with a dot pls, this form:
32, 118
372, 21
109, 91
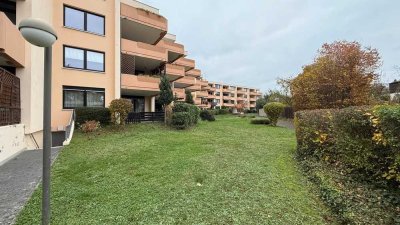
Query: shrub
120, 109
365, 140
260, 120
223, 111
193, 114
207, 115
90, 126
181, 120
273, 111
352, 154
98, 114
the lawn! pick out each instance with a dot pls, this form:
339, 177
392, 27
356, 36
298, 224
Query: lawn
223, 172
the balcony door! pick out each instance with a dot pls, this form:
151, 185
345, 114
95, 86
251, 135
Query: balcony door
137, 102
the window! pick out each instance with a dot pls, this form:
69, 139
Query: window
74, 97
85, 21
217, 86
83, 59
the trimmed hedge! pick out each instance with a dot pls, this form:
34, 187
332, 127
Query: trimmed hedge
102, 115
353, 155
207, 115
260, 120
186, 120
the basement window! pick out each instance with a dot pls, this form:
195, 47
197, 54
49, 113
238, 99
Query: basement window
75, 97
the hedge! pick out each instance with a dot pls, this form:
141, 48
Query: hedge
184, 115
260, 120
102, 115
353, 156
364, 139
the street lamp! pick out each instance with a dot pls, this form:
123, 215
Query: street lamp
41, 34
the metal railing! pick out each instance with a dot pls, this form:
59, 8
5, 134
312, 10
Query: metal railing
10, 100
139, 117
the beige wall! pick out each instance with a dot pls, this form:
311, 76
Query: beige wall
32, 74
12, 141
70, 77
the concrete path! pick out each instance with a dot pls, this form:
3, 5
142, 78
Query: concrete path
288, 123
18, 179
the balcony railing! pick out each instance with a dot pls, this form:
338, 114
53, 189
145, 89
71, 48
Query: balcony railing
179, 92
12, 44
172, 46
201, 93
144, 17
194, 73
10, 100
143, 50
175, 70
145, 83
187, 63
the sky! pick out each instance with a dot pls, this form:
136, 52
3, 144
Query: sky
253, 42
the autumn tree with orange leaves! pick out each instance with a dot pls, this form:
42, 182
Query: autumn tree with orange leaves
341, 75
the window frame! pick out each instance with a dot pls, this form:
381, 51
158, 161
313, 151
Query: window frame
84, 90
85, 50
85, 22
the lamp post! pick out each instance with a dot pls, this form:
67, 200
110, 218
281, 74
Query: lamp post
41, 34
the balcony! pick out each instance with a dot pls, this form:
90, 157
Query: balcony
201, 93
142, 25
175, 51
187, 63
12, 44
227, 97
195, 87
194, 73
139, 85
179, 93
174, 72
197, 101
184, 82
252, 99
211, 96
143, 50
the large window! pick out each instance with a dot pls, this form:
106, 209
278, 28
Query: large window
83, 59
75, 97
85, 21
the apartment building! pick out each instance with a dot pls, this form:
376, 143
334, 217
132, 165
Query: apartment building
106, 49
226, 95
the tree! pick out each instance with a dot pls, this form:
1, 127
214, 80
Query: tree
166, 95
189, 97
260, 103
341, 75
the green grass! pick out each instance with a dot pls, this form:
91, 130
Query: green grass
222, 172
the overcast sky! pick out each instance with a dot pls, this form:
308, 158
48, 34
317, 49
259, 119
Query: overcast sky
252, 42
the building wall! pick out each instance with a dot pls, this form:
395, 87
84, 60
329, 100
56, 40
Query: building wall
12, 141
72, 77
31, 76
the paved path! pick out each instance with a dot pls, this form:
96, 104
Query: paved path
288, 123
18, 179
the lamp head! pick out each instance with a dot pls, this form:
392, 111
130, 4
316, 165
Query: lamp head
37, 32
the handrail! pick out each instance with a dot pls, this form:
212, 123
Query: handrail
69, 131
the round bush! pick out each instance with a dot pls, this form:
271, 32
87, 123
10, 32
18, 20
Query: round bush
260, 120
181, 120
207, 115
273, 111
